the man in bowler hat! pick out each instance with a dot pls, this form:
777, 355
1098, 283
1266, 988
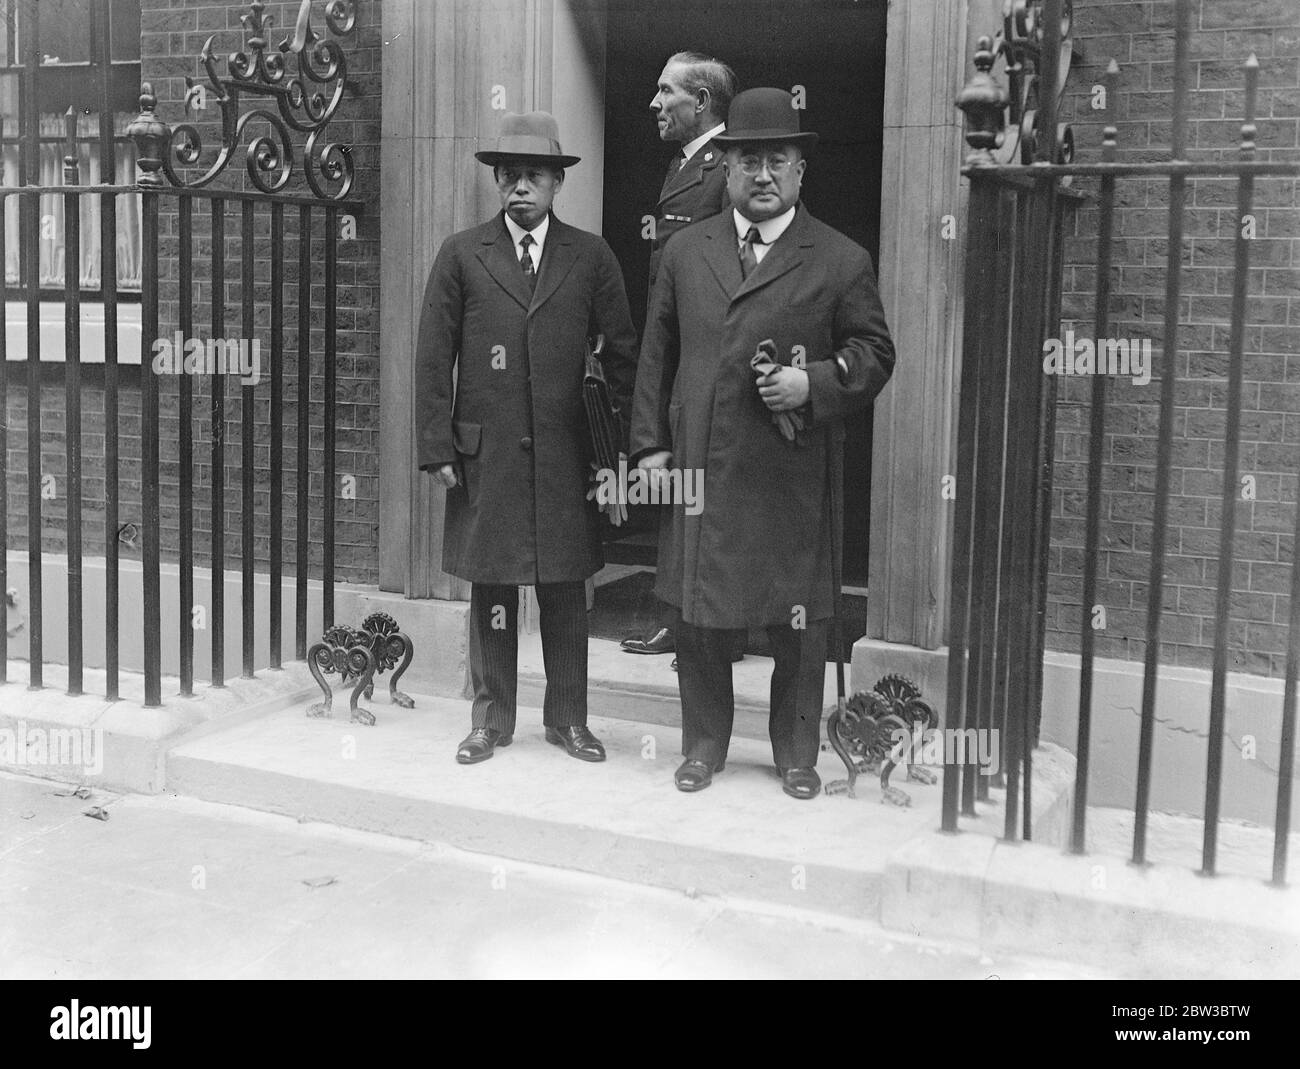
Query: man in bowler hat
763, 283
508, 310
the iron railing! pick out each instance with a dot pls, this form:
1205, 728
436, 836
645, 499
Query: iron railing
1002, 522
304, 100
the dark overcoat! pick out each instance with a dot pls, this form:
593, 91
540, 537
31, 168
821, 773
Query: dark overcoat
511, 417
694, 192
760, 549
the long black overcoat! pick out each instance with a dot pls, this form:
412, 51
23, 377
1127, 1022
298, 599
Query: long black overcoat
759, 551
511, 415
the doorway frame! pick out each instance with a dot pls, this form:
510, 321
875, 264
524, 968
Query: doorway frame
445, 52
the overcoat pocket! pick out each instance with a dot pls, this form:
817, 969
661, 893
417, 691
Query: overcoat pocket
466, 438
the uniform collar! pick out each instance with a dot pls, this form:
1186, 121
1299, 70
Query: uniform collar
692, 147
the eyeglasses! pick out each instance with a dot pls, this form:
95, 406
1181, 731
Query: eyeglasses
776, 165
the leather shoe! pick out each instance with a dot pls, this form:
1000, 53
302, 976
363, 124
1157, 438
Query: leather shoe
696, 775
578, 741
800, 783
660, 642
478, 745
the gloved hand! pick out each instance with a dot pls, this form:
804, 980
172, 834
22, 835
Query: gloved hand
764, 363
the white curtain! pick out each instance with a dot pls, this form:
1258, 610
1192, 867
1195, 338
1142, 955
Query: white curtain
52, 225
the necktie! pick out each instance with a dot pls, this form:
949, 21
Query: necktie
748, 261
526, 261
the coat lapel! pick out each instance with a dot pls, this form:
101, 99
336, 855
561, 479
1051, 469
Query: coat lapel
558, 258
695, 171
784, 256
497, 254
721, 252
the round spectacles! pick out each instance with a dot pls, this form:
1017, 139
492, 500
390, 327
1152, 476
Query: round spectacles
752, 165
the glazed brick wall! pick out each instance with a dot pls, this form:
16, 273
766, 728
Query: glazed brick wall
172, 35
1140, 37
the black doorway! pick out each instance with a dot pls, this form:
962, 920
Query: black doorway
835, 49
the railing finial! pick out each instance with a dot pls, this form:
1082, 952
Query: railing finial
983, 100
151, 136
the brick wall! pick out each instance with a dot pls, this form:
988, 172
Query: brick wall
172, 35
1140, 37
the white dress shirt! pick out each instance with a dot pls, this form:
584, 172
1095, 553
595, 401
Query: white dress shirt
538, 232
692, 147
768, 230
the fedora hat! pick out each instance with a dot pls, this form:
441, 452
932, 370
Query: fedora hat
765, 115
534, 136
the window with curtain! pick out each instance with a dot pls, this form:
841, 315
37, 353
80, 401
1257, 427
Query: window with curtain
54, 253
69, 76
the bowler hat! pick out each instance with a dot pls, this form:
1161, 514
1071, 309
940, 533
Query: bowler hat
765, 115
533, 136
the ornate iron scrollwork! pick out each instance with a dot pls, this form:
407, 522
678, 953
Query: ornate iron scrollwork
305, 78
344, 650
1005, 125
361, 654
387, 644
865, 735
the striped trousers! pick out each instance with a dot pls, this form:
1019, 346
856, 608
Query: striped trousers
494, 653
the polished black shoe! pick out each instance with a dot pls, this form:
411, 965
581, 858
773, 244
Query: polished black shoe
801, 783
696, 775
673, 666
660, 642
478, 745
578, 741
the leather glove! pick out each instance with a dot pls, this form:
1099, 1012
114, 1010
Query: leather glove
764, 362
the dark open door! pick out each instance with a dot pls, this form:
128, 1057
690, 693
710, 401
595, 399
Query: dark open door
836, 51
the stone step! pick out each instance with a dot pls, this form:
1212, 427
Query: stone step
643, 689
619, 699
623, 818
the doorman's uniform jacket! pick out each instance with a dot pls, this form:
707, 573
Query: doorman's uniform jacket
761, 544
695, 192
511, 418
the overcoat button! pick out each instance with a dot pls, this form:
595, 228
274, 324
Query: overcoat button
526, 442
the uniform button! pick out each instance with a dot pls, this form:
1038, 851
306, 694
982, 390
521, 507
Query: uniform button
526, 442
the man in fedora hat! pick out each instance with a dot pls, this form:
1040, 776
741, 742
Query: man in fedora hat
508, 308
690, 108
764, 332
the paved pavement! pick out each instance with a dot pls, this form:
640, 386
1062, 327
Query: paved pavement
174, 887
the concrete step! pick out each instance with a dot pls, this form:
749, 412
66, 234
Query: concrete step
639, 703
643, 689
623, 818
